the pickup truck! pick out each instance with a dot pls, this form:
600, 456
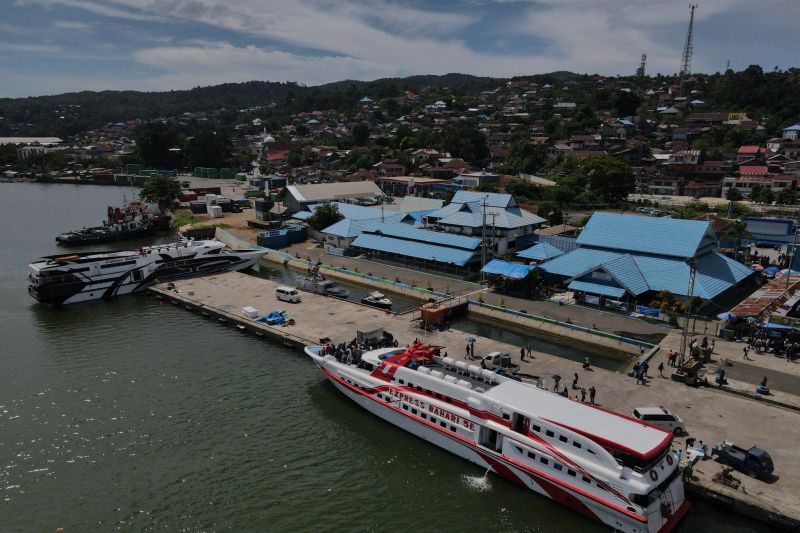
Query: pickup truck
500, 360
754, 462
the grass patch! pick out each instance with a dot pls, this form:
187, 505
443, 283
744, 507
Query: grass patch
181, 217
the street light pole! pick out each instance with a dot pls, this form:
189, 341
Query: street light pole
791, 261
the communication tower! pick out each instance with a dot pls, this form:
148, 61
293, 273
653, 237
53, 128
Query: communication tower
688, 48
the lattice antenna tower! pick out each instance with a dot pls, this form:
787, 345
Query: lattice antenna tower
640, 70
688, 48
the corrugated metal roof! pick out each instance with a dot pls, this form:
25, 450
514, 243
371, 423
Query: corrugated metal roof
715, 272
416, 203
625, 271
662, 236
540, 252
331, 191
597, 288
509, 270
418, 250
493, 199
405, 232
577, 262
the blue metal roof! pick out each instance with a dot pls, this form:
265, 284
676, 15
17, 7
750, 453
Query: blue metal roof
429, 252
661, 236
493, 199
795, 127
597, 288
577, 262
716, 273
540, 252
625, 270
509, 270
405, 232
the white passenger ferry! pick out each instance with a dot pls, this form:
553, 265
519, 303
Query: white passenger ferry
72, 278
609, 467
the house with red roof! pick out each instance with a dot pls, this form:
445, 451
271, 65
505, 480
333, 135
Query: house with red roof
747, 153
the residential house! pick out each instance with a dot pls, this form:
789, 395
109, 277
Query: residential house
792, 132
748, 153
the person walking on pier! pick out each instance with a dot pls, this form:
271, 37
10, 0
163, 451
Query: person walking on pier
556, 380
746, 351
586, 362
468, 356
583, 394
529, 348
575, 381
522, 354
661, 369
592, 392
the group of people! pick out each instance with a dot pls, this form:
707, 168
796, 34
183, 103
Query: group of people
789, 346
580, 392
350, 353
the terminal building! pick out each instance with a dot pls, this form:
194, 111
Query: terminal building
628, 258
468, 211
300, 197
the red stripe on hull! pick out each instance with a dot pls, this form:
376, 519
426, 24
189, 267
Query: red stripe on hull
497, 463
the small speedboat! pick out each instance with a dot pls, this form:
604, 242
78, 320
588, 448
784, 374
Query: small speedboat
377, 299
321, 285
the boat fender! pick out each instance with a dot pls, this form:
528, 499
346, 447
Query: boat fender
653, 475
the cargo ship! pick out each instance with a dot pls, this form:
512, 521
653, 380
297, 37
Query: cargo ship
130, 221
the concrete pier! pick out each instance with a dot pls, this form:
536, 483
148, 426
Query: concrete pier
711, 415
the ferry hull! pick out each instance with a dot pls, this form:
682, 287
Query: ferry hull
497, 463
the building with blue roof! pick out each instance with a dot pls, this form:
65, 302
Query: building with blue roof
468, 211
540, 252
628, 257
413, 247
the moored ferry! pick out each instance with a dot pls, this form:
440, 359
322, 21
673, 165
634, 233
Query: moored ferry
606, 466
66, 279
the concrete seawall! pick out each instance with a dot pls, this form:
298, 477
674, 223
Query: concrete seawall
558, 333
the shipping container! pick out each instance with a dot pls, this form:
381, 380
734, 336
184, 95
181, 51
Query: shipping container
198, 208
215, 211
188, 196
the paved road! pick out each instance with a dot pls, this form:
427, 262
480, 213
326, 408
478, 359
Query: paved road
751, 373
610, 322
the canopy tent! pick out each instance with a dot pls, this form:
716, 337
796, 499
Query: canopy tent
506, 269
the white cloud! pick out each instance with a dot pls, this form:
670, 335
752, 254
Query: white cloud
213, 63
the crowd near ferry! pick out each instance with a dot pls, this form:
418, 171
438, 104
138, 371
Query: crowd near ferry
72, 278
606, 466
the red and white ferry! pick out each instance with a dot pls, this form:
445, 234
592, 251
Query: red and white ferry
609, 467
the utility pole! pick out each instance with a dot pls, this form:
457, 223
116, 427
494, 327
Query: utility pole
483, 236
688, 47
685, 332
791, 261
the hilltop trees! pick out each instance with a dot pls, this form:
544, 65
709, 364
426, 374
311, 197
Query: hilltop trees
208, 149
609, 177
153, 143
463, 139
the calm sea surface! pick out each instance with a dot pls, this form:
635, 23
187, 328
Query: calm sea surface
136, 416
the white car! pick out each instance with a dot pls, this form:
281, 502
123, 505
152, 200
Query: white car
662, 418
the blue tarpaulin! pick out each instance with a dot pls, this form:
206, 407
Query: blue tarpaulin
509, 270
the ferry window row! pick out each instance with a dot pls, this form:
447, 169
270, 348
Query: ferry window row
562, 438
424, 415
420, 389
557, 466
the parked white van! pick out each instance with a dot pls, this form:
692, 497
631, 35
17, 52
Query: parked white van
288, 294
658, 416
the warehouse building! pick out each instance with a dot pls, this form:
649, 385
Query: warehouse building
627, 258
300, 197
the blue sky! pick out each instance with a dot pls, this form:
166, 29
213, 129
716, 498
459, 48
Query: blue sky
55, 46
